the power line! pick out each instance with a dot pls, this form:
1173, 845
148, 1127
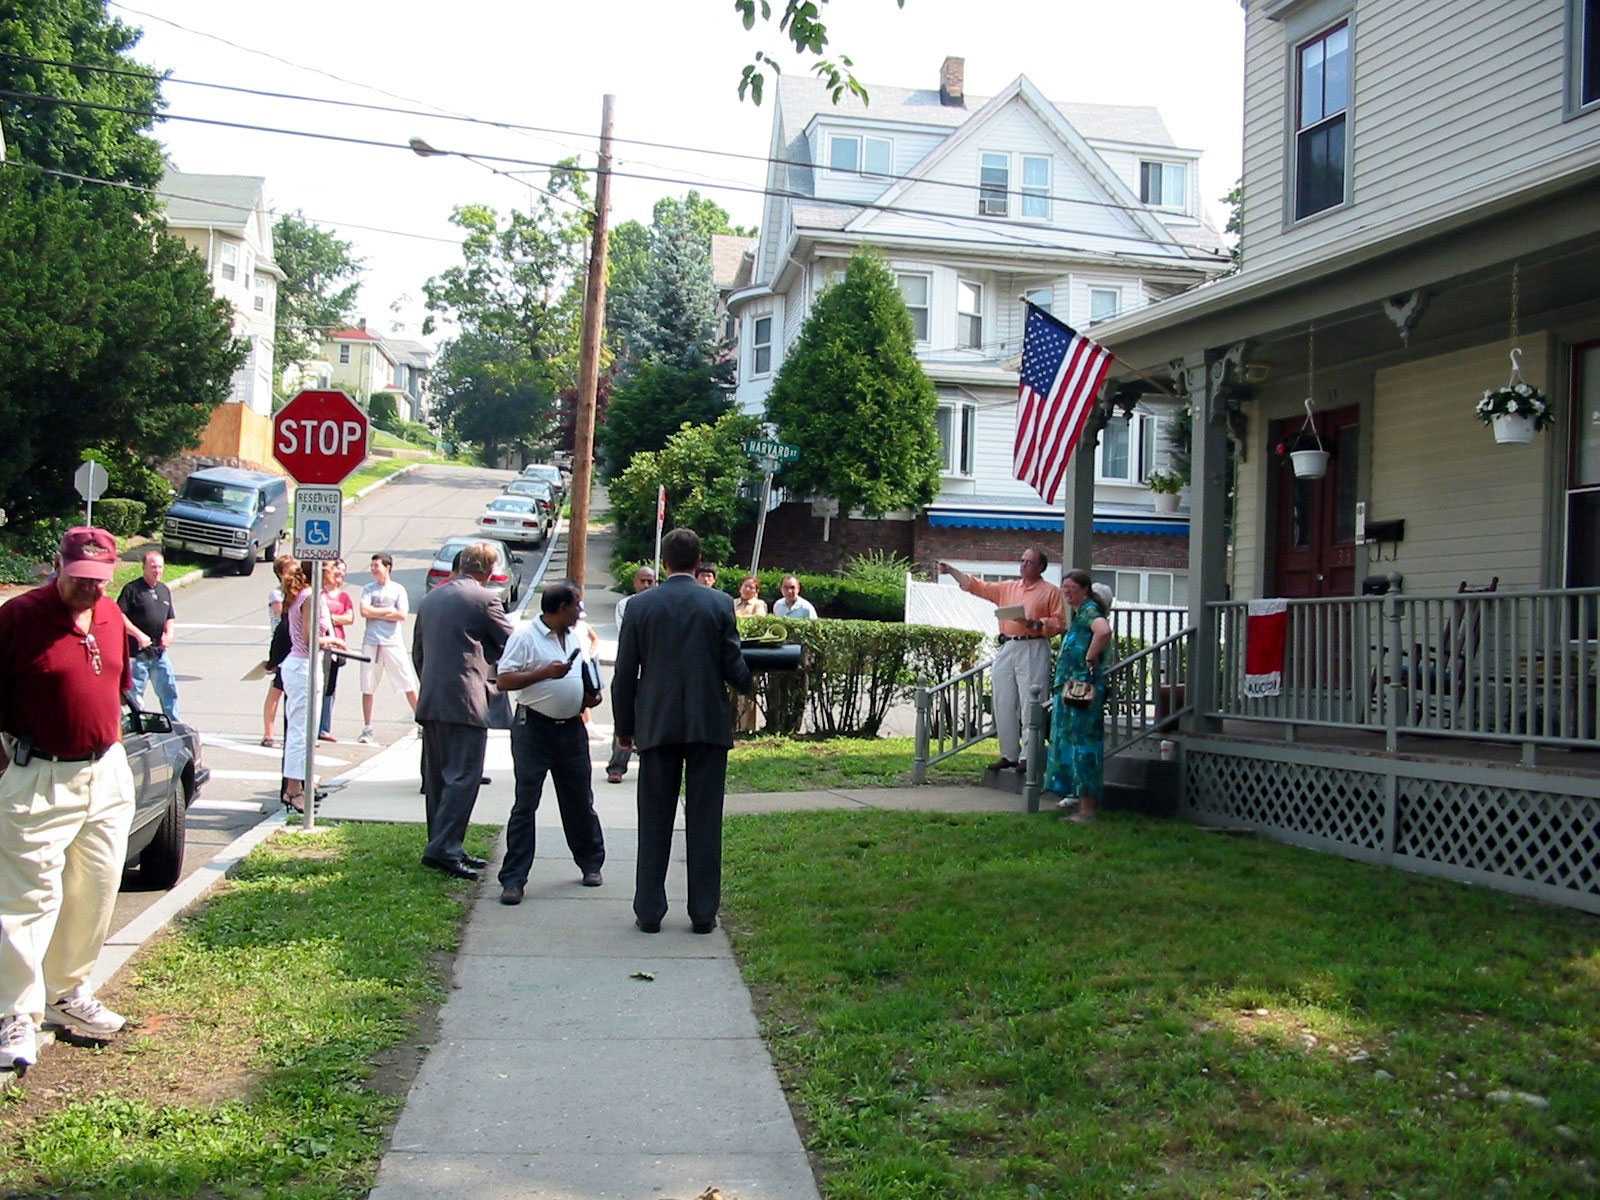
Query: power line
938, 217
520, 127
150, 191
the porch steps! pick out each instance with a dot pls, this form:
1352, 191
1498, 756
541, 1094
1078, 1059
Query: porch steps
1142, 784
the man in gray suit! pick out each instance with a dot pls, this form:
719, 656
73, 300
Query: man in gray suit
460, 630
677, 655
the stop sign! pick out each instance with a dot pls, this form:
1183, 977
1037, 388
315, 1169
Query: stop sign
320, 437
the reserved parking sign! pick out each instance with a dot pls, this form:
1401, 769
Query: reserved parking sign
318, 523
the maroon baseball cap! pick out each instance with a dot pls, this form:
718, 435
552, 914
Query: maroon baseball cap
88, 553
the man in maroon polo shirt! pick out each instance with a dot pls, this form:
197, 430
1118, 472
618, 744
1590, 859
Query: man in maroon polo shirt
66, 794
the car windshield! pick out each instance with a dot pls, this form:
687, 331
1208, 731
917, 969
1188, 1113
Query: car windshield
529, 487
541, 472
448, 551
511, 504
229, 496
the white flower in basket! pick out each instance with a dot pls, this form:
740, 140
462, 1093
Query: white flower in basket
1517, 410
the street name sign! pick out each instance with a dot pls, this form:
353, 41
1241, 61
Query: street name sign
771, 448
320, 437
318, 522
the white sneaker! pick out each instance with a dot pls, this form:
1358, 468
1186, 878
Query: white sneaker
1067, 802
367, 736
19, 1042
80, 1012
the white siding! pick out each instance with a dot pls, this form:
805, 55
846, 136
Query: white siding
996, 431
909, 149
1473, 510
1450, 97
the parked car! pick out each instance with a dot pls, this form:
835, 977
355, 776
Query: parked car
516, 519
548, 473
168, 773
502, 580
224, 512
537, 488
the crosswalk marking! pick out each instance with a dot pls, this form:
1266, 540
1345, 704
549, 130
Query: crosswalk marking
226, 743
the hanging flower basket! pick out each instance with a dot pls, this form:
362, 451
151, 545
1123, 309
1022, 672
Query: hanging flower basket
1516, 411
1309, 464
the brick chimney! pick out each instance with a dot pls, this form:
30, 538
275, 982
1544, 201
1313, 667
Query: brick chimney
362, 323
952, 82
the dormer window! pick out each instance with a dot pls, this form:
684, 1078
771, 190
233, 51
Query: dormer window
853, 155
1322, 71
994, 185
1164, 185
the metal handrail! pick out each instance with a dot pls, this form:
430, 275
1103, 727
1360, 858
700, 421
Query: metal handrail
1160, 675
951, 717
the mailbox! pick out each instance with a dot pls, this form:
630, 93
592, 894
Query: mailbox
767, 656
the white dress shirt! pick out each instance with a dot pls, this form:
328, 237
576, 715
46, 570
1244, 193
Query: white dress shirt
801, 610
531, 647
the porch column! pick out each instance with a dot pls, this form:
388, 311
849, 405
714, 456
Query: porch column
1077, 529
1208, 544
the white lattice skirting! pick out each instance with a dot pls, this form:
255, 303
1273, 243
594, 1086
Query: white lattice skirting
1533, 833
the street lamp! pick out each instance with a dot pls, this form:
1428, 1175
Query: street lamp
422, 150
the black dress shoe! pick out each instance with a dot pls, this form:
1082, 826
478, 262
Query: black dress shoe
647, 926
703, 926
510, 894
457, 868
473, 861
592, 879
485, 781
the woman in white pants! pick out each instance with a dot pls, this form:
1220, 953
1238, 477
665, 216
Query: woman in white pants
297, 679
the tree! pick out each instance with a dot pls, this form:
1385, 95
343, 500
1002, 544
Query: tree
801, 23
113, 338
314, 296
1235, 202
84, 141
663, 300
708, 478
855, 401
653, 403
493, 393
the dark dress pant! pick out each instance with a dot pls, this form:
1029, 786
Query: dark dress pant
454, 756
541, 746
701, 769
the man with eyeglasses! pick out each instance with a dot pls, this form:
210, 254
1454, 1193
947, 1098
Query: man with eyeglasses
66, 794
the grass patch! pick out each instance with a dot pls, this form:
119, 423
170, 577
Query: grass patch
179, 564
780, 764
260, 1023
374, 470
1011, 1007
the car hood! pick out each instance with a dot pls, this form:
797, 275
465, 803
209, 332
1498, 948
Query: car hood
210, 513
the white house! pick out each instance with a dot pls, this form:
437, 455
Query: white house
225, 219
1421, 200
361, 362
413, 362
1088, 210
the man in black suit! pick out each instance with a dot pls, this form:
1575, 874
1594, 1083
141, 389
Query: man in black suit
460, 630
678, 652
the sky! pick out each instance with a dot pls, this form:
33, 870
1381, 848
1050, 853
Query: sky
673, 66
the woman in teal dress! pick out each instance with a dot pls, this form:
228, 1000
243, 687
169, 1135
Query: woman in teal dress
1078, 734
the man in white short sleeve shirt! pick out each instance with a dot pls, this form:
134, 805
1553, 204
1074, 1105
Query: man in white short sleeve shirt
385, 606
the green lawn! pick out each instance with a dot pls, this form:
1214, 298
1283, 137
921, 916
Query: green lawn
1013, 1007
375, 469
777, 764
179, 564
250, 1073
384, 440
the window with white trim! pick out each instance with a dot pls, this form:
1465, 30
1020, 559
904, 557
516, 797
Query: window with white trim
969, 315
916, 291
854, 154
761, 346
957, 427
1104, 303
1130, 586
1044, 298
1036, 186
260, 302
344, 353
1128, 449
844, 153
230, 261
994, 184
1585, 53
1164, 185
1322, 102
877, 156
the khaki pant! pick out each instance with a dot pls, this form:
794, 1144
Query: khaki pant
63, 838
1019, 666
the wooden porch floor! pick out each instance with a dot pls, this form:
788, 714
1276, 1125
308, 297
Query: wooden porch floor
1417, 747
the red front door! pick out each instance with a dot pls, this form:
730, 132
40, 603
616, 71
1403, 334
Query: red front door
1314, 543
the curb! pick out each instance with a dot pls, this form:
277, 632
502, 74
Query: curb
378, 483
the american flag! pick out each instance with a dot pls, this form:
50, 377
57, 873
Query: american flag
1061, 374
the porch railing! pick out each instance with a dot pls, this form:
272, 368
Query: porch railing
1147, 692
1503, 666
1142, 625
951, 716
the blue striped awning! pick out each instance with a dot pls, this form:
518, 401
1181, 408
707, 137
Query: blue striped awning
1000, 520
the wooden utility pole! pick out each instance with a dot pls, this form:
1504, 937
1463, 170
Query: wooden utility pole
594, 324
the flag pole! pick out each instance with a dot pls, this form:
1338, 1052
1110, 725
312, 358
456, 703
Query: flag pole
1150, 379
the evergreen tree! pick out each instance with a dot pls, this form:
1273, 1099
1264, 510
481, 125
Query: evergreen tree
318, 293
653, 403
853, 398
663, 304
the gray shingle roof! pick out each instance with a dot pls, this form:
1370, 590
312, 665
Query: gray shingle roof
803, 98
412, 353
727, 252
223, 201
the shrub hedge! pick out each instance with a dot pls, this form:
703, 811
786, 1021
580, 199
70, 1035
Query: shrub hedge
124, 518
833, 595
854, 671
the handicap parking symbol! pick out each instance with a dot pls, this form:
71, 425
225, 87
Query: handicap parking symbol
319, 533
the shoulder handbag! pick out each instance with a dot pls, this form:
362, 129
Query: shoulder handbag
1078, 692
279, 650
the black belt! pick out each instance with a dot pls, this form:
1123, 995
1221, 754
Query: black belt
34, 753
533, 712
1027, 637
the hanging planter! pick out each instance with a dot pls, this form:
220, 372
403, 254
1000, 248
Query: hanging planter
1516, 411
1309, 464
1307, 455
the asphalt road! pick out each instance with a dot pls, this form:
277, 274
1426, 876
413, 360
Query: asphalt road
222, 631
